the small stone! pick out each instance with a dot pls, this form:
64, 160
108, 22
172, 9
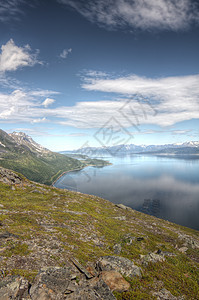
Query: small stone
183, 249
117, 248
115, 281
140, 238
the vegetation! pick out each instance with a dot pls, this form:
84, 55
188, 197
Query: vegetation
47, 226
44, 167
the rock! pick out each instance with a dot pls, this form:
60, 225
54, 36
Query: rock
117, 248
123, 206
164, 294
115, 281
121, 218
183, 249
7, 234
52, 283
152, 257
140, 238
14, 287
120, 264
9, 177
189, 241
94, 289
81, 268
71, 282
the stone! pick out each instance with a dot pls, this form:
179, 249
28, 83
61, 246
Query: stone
81, 268
183, 249
14, 287
121, 218
117, 248
9, 177
123, 206
152, 257
115, 281
7, 234
51, 283
94, 289
189, 241
164, 294
120, 264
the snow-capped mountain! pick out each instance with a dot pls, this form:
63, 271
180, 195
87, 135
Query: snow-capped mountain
23, 139
133, 149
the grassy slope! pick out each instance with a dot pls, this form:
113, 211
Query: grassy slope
52, 225
43, 169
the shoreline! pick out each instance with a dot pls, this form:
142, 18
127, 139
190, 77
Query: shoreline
78, 169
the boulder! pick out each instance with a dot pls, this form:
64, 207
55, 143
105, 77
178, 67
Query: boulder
9, 177
152, 257
53, 283
115, 281
120, 264
164, 294
14, 287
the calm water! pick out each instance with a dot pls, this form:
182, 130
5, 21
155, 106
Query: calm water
164, 187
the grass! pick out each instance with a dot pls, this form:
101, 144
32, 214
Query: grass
50, 225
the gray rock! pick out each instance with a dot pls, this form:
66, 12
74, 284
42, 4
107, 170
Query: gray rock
123, 206
120, 264
164, 294
152, 257
117, 248
52, 283
94, 289
14, 287
9, 177
189, 241
81, 268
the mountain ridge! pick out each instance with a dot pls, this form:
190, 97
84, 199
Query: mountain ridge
131, 148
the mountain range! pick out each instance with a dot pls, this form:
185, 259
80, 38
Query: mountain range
191, 147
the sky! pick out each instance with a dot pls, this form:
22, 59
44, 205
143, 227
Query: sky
77, 73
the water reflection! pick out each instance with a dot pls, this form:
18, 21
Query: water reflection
163, 187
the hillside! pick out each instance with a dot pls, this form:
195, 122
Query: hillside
58, 244
21, 154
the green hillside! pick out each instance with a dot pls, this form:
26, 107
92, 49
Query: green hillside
37, 166
44, 227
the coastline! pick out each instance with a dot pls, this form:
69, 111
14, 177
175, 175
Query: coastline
78, 169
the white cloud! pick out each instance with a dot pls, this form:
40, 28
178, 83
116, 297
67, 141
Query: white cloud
65, 52
139, 100
39, 120
175, 99
13, 57
48, 101
138, 14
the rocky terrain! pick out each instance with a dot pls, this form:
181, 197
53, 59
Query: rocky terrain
58, 244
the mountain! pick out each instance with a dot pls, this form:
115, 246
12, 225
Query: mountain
175, 151
20, 153
135, 149
59, 244
23, 139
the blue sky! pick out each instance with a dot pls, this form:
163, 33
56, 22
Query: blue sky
76, 73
